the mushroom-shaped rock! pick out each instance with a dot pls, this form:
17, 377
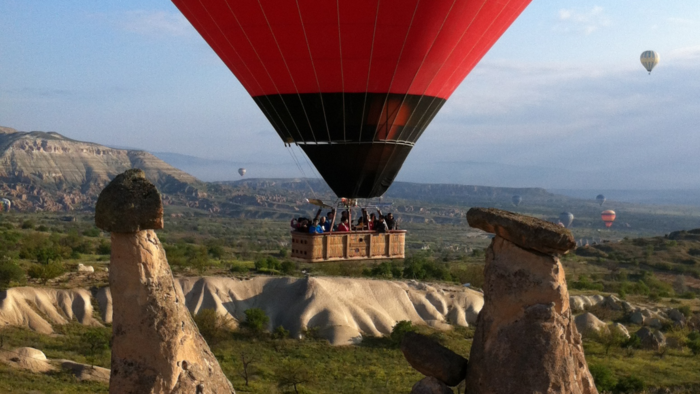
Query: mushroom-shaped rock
128, 204
430, 385
524, 231
156, 346
432, 359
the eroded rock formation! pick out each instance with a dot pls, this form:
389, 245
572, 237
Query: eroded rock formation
156, 347
526, 340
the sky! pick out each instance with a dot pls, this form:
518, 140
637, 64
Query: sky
561, 101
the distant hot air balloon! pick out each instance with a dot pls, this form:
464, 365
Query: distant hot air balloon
5, 205
600, 198
608, 217
566, 218
242, 171
517, 200
354, 83
649, 60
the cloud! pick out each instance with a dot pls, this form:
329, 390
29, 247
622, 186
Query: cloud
155, 23
577, 21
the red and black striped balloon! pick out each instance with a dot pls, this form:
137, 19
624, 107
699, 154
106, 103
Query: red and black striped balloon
353, 82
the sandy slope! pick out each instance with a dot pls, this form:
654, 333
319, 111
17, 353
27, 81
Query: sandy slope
342, 308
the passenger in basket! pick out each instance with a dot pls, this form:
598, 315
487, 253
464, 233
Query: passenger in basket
390, 222
315, 228
303, 225
329, 220
361, 226
381, 226
343, 226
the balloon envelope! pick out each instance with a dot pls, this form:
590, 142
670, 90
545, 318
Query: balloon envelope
517, 200
5, 205
649, 60
241, 171
566, 218
600, 198
354, 83
608, 217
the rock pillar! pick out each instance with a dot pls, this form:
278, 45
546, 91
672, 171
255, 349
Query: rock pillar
156, 346
526, 340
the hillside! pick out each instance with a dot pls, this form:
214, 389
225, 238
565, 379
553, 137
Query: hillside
45, 171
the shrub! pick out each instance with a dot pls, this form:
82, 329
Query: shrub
603, 377
46, 272
584, 283
688, 295
256, 320
92, 232
685, 310
633, 342
280, 333
9, 272
694, 346
267, 263
288, 267
239, 267
104, 247
95, 342
199, 259
629, 384
400, 330
212, 326
216, 251
291, 374
28, 224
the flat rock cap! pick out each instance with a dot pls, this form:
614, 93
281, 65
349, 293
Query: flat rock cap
129, 204
524, 231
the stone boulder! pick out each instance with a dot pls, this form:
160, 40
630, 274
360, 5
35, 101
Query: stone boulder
433, 360
651, 339
676, 316
612, 302
430, 385
621, 329
589, 325
524, 231
85, 268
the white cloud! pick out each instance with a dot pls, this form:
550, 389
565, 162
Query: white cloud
155, 23
581, 21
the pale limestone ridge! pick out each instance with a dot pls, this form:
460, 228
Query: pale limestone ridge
48, 171
342, 308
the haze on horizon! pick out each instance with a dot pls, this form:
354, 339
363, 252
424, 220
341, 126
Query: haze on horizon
561, 101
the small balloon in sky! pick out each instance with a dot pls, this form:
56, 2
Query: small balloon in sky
649, 60
242, 171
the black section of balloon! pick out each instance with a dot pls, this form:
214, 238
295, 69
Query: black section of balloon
358, 170
349, 117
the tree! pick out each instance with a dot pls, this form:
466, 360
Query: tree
9, 272
256, 320
211, 325
609, 337
248, 371
95, 342
400, 330
291, 374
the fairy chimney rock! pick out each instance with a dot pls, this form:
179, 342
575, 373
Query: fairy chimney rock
156, 346
128, 204
526, 340
525, 231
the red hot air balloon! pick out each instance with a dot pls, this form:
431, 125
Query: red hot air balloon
353, 82
608, 217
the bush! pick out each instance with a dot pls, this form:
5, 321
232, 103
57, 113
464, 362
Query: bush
9, 272
280, 333
400, 330
95, 342
92, 232
28, 224
685, 310
256, 320
633, 342
216, 251
239, 267
267, 263
603, 377
629, 384
288, 267
104, 247
212, 326
46, 272
694, 346
584, 283
688, 295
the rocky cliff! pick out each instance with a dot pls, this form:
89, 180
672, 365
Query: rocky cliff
45, 171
